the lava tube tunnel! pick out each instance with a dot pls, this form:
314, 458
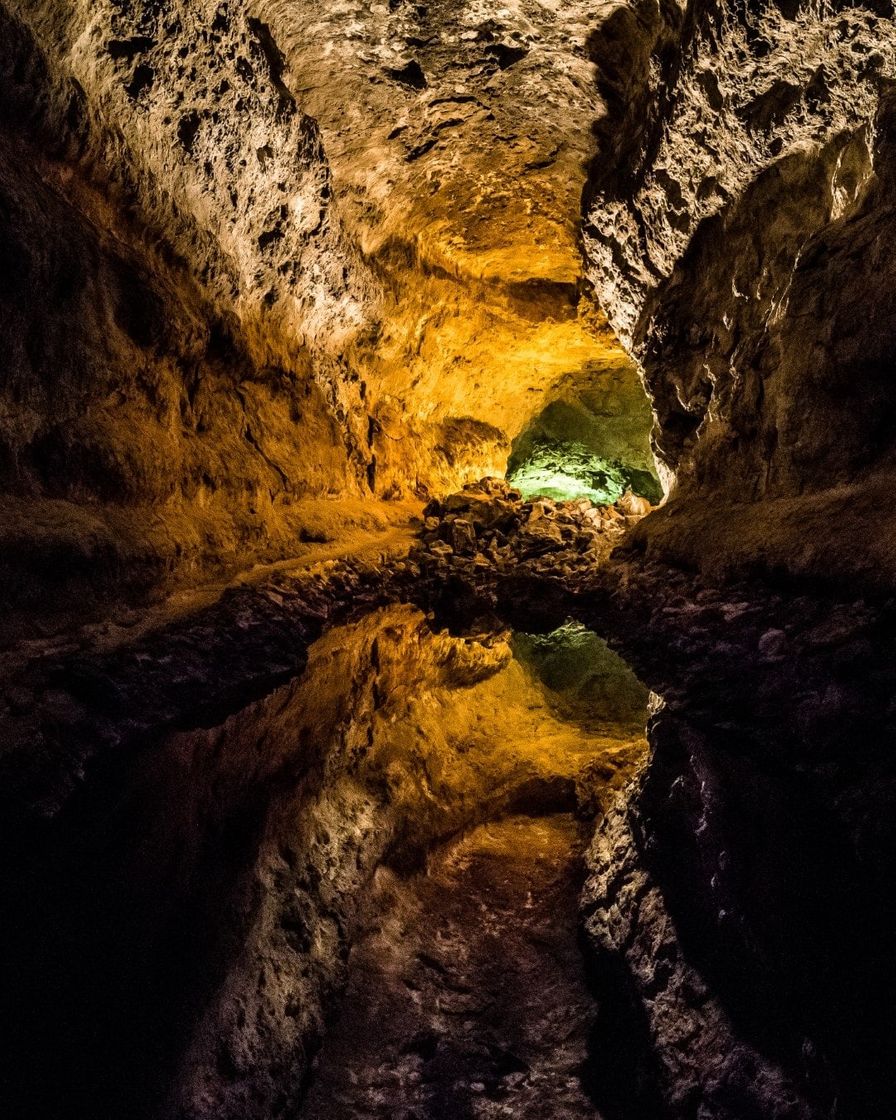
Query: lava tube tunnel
446, 646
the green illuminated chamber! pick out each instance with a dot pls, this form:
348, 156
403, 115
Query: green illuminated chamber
592, 441
565, 471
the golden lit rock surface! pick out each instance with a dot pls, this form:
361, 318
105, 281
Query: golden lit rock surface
304, 253
278, 277
459, 166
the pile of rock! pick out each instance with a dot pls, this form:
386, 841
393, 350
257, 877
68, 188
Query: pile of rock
488, 526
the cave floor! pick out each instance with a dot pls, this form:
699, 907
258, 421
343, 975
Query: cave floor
467, 998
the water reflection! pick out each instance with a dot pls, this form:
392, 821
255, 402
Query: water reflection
467, 991
588, 683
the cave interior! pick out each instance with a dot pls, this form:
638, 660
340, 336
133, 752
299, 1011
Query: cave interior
448, 559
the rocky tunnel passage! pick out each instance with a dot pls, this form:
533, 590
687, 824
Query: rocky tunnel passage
246, 857
373, 377
285, 273
468, 994
394, 738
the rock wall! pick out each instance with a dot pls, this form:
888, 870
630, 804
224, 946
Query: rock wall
185, 887
459, 136
738, 217
262, 256
737, 210
151, 421
266, 255
735, 902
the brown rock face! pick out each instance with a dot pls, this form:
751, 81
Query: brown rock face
185, 906
453, 992
262, 257
275, 279
734, 222
148, 424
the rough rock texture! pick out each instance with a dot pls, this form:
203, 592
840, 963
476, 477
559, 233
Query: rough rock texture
261, 256
608, 413
739, 217
468, 971
663, 1044
485, 532
148, 423
459, 136
740, 213
737, 904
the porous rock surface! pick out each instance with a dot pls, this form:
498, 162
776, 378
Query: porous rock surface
736, 226
486, 530
147, 426
187, 878
737, 215
734, 905
261, 254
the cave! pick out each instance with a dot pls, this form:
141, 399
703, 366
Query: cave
448, 596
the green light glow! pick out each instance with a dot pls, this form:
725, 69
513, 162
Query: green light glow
586, 681
566, 471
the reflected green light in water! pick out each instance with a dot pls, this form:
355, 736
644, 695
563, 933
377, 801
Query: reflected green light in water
588, 682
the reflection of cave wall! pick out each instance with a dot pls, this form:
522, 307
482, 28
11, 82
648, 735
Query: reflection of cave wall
741, 931
183, 921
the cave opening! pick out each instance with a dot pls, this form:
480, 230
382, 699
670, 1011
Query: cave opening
591, 440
